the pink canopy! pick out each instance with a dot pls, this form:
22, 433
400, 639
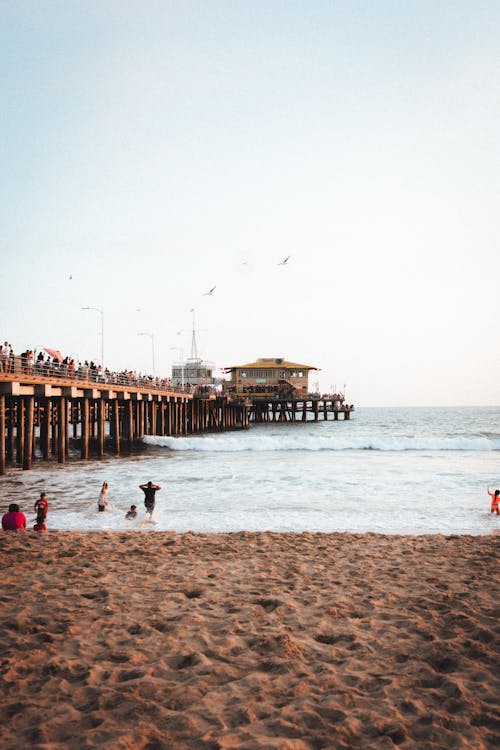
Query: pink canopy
55, 354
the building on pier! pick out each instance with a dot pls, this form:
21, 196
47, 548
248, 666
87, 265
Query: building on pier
268, 377
194, 371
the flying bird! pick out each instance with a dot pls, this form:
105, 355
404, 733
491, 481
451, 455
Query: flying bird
284, 262
210, 292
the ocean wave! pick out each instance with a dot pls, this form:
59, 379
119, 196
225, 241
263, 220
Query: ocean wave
258, 443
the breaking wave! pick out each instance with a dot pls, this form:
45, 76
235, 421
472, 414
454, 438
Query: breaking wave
234, 443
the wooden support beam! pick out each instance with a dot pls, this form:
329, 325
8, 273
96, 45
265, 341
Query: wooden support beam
29, 417
84, 437
45, 429
10, 432
170, 409
20, 431
54, 428
161, 417
36, 422
101, 426
116, 421
128, 422
2, 434
63, 427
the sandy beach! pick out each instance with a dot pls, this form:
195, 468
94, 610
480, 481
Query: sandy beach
147, 641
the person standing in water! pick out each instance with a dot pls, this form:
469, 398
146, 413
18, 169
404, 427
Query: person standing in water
102, 502
495, 500
149, 490
41, 509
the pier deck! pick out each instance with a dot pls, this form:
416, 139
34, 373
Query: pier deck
40, 414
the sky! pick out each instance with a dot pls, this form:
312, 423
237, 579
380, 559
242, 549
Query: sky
152, 150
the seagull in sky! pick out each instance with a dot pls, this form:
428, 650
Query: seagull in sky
210, 292
284, 262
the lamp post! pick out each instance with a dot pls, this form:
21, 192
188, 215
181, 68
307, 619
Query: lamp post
151, 336
179, 350
100, 310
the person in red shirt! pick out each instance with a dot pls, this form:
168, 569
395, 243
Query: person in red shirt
14, 520
495, 499
39, 527
41, 508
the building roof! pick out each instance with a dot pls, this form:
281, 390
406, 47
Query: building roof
276, 363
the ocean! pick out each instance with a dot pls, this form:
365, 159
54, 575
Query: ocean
390, 470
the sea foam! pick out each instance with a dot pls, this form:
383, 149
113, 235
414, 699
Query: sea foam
234, 443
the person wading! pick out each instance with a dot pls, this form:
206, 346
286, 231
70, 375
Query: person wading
149, 490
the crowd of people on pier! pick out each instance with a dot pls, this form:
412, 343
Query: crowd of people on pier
49, 363
31, 363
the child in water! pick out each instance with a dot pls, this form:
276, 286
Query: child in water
132, 513
495, 499
102, 502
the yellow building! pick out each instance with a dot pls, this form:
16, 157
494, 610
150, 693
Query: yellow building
269, 377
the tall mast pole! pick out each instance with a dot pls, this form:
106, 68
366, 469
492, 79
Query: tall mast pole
194, 348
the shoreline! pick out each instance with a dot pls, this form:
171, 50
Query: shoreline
294, 640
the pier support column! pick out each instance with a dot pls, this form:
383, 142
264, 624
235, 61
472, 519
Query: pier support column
84, 415
116, 429
45, 429
169, 417
20, 431
10, 432
2, 435
54, 426
129, 422
161, 418
101, 426
29, 412
153, 417
63, 428
36, 422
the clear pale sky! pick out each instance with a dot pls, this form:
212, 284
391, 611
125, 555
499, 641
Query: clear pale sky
151, 150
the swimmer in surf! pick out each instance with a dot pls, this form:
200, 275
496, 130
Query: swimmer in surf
149, 490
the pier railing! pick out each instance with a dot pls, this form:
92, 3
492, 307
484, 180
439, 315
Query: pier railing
15, 367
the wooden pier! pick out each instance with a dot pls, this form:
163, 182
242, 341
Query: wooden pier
42, 417
297, 409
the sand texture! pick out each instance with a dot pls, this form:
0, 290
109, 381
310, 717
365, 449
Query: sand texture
147, 641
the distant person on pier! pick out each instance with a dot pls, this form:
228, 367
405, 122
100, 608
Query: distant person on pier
102, 502
41, 508
149, 490
495, 500
132, 513
14, 520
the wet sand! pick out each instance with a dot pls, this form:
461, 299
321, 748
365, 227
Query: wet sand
148, 641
